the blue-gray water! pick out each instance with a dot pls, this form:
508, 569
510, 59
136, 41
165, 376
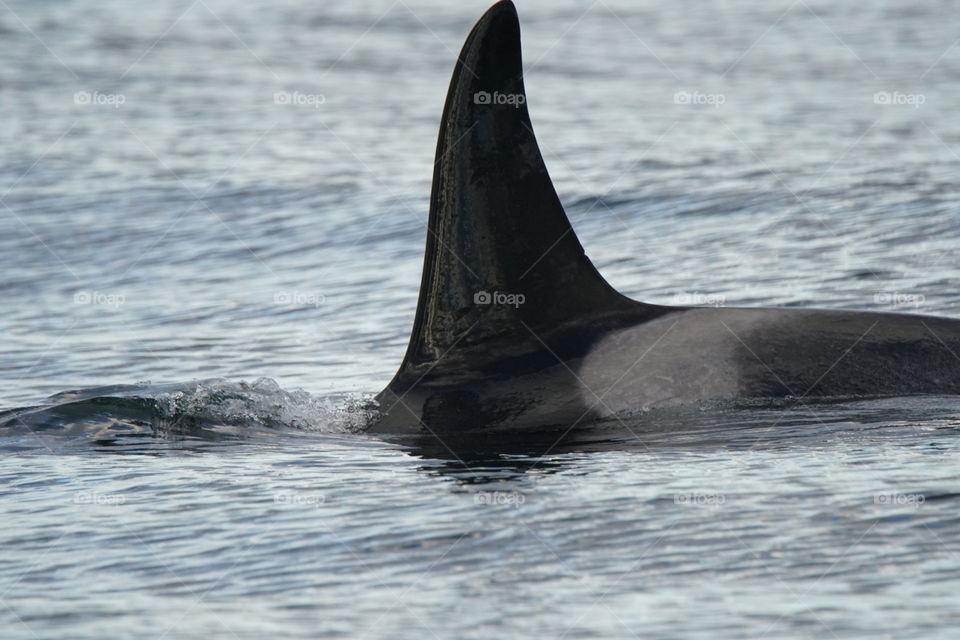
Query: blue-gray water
166, 219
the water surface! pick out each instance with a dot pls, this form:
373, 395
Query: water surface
211, 233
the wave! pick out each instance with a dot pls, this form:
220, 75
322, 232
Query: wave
208, 409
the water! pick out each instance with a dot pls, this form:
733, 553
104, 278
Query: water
214, 285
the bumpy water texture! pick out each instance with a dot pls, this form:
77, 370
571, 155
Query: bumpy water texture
229, 236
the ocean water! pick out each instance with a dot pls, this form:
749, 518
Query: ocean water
212, 219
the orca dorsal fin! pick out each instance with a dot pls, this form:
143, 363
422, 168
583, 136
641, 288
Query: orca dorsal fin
503, 268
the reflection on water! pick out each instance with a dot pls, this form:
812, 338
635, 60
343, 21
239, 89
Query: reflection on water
835, 516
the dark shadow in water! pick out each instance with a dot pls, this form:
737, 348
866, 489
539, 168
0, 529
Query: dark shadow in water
783, 425
480, 458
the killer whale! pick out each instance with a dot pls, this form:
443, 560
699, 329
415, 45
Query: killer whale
516, 328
